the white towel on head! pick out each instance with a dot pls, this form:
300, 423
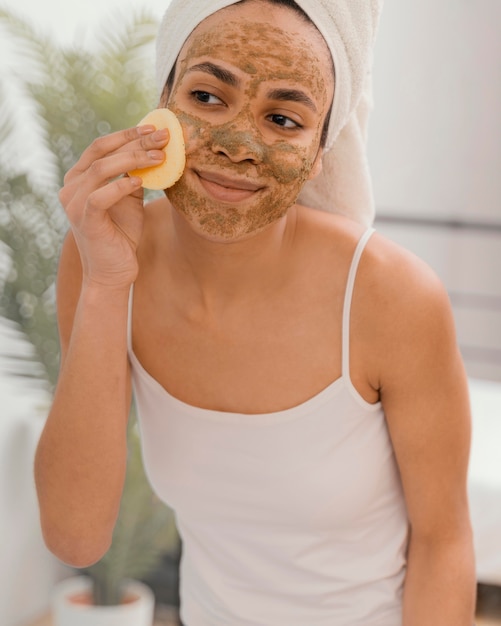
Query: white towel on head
349, 28
344, 185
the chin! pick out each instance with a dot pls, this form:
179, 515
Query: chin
222, 222
226, 227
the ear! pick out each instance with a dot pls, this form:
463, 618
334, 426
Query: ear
317, 164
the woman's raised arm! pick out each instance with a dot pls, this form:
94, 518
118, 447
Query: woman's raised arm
81, 457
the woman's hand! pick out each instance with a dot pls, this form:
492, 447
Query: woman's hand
105, 208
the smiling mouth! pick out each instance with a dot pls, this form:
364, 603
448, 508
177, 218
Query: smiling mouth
227, 189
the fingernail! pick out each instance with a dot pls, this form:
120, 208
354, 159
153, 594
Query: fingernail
161, 134
156, 155
146, 129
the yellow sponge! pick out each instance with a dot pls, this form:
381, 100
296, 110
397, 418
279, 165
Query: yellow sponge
167, 173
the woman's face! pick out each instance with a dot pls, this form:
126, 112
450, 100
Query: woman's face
252, 88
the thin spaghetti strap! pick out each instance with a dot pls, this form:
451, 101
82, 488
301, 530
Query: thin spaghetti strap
348, 296
129, 319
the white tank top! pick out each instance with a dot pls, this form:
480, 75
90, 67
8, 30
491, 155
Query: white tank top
292, 518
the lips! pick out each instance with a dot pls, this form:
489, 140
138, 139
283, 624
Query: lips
227, 188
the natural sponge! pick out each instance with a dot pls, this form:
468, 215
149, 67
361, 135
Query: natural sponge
167, 173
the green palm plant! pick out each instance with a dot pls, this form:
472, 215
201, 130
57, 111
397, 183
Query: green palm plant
73, 95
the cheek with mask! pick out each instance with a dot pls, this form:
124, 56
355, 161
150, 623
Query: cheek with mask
237, 150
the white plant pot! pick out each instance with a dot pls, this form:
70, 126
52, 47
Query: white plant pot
67, 612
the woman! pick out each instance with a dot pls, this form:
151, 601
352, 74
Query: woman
302, 401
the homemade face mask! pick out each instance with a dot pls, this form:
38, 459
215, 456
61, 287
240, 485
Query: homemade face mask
238, 148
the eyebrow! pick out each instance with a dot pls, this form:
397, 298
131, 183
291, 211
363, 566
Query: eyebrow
227, 77
292, 95
218, 72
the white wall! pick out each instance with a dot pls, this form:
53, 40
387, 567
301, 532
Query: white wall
435, 153
27, 570
435, 138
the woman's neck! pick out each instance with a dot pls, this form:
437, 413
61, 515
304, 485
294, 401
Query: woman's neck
217, 275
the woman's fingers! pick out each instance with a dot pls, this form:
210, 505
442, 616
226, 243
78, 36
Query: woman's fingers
106, 169
141, 138
104, 198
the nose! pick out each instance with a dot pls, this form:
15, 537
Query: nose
238, 142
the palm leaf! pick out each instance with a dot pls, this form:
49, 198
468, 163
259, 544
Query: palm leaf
35, 52
6, 124
31, 232
18, 358
127, 40
76, 96
79, 95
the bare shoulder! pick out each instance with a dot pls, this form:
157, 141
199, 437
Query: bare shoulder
385, 266
388, 274
400, 312
398, 271
326, 243
395, 278
403, 312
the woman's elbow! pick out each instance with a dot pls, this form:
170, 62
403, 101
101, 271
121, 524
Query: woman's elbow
79, 550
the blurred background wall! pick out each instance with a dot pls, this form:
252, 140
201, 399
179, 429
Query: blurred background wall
435, 155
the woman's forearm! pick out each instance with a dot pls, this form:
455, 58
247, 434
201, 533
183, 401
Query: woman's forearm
440, 584
81, 457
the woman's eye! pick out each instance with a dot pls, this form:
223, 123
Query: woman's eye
283, 121
205, 97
